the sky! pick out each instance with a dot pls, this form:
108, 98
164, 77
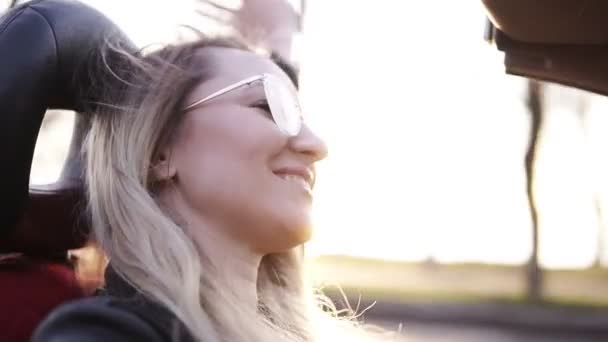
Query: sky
426, 135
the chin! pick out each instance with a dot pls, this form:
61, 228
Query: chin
303, 235
296, 233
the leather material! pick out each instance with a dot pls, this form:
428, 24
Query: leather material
50, 59
581, 66
99, 319
561, 41
551, 21
120, 313
54, 221
32, 288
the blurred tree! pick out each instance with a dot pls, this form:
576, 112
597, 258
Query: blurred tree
583, 114
601, 229
534, 101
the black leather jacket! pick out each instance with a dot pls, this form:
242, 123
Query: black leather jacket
118, 314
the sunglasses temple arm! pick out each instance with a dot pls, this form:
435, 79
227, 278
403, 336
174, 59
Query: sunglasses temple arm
224, 91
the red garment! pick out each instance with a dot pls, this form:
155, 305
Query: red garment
29, 290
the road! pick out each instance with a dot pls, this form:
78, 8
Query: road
434, 332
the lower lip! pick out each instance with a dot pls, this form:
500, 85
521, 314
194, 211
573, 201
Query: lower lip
306, 188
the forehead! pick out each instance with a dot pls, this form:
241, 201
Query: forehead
226, 66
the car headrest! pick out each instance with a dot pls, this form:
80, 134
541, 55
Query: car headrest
561, 41
51, 59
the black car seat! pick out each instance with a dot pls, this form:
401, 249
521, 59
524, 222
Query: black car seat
50, 58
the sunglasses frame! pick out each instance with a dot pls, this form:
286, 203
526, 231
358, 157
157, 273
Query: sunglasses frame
246, 82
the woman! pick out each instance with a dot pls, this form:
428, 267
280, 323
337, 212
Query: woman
199, 181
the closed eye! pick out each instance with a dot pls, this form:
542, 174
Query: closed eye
263, 105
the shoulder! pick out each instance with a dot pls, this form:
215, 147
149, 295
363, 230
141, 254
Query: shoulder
108, 318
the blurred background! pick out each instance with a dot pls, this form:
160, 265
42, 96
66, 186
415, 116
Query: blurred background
467, 204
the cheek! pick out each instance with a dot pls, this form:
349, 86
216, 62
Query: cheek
218, 159
224, 175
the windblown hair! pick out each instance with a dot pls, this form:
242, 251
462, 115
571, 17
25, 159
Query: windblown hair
148, 247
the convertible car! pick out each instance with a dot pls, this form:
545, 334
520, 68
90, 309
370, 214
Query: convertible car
50, 59
561, 41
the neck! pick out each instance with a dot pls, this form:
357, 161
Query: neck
235, 264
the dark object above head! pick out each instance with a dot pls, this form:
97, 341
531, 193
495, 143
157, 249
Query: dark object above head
50, 59
562, 41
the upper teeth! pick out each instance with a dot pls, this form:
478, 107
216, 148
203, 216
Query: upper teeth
299, 179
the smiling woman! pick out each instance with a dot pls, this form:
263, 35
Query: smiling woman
199, 175
464, 117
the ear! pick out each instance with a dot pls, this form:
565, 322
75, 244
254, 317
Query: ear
162, 168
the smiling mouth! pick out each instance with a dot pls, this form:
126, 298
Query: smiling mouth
297, 180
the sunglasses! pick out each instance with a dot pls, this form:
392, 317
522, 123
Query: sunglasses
282, 98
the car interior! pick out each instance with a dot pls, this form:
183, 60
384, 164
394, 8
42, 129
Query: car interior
51, 60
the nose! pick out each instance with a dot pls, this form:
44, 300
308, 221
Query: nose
308, 143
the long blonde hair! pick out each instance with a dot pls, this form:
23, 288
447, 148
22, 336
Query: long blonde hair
145, 244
